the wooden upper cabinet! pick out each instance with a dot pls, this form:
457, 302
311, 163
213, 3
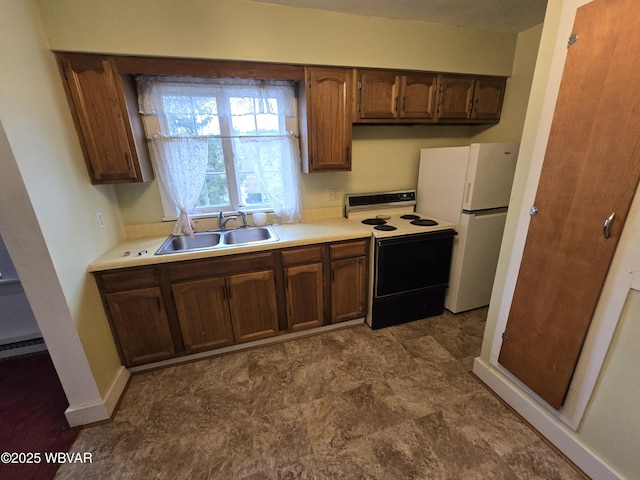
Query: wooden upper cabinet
488, 95
104, 105
393, 97
470, 99
326, 119
455, 97
418, 94
377, 95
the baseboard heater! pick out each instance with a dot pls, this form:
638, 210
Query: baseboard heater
22, 348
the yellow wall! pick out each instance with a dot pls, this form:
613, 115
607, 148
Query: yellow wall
60, 210
384, 158
238, 29
612, 424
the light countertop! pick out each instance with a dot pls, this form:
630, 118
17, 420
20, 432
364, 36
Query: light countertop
289, 235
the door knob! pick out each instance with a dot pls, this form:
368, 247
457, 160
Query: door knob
607, 225
533, 210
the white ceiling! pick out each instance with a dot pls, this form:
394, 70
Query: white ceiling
496, 15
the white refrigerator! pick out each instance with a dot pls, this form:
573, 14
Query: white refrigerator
471, 187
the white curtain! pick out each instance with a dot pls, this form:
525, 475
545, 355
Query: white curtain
261, 113
281, 188
181, 164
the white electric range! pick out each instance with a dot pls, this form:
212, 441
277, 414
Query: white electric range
411, 256
391, 214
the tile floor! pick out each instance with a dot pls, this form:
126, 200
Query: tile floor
397, 403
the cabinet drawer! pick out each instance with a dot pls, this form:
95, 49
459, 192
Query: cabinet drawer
302, 255
221, 266
129, 279
349, 249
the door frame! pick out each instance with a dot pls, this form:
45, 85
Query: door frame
619, 279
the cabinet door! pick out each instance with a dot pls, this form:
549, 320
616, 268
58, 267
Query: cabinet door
100, 109
329, 95
418, 96
252, 302
348, 288
487, 98
455, 96
304, 296
203, 313
141, 326
378, 95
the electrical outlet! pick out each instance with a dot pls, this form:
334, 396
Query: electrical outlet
333, 194
101, 220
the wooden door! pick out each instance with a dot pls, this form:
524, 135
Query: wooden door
378, 91
252, 302
329, 115
203, 314
141, 325
591, 171
418, 92
304, 296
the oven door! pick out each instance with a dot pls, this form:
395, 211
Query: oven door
412, 262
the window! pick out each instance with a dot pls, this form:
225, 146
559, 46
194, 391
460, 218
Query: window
223, 144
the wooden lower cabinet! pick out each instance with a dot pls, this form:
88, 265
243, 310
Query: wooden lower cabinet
141, 325
252, 302
164, 311
349, 269
348, 289
304, 296
304, 286
221, 311
203, 314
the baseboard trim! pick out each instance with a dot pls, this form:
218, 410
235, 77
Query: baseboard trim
555, 432
246, 346
100, 411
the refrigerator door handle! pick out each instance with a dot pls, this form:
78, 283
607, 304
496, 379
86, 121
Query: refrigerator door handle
467, 194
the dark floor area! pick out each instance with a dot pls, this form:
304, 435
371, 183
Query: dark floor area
32, 421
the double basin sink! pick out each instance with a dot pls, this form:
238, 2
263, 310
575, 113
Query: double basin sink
215, 239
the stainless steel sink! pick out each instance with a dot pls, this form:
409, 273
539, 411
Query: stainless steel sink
247, 235
217, 239
200, 241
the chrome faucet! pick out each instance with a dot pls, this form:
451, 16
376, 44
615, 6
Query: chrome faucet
223, 221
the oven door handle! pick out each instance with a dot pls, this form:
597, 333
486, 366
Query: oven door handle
417, 237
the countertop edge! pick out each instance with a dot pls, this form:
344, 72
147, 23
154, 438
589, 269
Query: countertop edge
141, 251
